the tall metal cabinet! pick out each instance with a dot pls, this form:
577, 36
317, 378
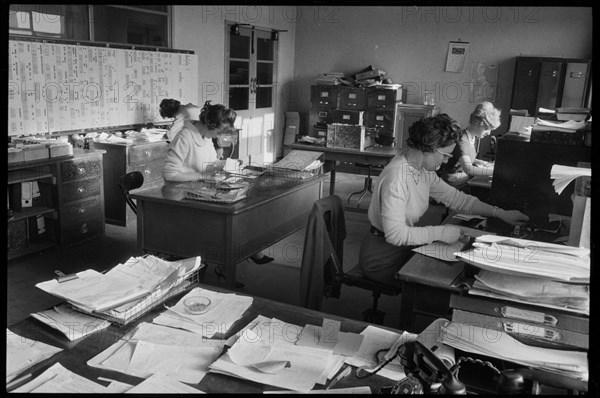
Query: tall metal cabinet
550, 83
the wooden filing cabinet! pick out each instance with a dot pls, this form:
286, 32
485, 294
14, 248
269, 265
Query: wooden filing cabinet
81, 204
405, 116
69, 209
146, 157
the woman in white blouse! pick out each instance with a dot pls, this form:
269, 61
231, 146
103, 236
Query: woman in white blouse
401, 197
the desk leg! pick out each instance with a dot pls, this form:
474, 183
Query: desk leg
230, 273
332, 179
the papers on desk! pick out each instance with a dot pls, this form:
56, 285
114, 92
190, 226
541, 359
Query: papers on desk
529, 258
124, 292
475, 339
446, 251
376, 339
535, 290
22, 353
563, 175
161, 384
154, 349
73, 324
225, 309
268, 354
57, 379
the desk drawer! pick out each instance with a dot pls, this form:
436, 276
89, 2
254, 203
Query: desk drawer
82, 210
82, 230
351, 98
348, 117
77, 190
384, 98
151, 171
380, 119
76, 170
147, 153
325, 96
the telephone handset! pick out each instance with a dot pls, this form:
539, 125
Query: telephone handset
425, 371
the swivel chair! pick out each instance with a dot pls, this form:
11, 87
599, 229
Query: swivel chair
128, 182
332, 276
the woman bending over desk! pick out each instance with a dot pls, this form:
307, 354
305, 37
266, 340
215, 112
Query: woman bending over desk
191, 155
401, 197
171, 108
464, 165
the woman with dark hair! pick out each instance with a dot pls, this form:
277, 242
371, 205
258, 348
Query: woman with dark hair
171, 108
191, 154
401, 197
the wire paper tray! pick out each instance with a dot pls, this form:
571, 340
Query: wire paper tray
145, 304
294, 174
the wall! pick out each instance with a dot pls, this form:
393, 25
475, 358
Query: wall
411, 45
202, 29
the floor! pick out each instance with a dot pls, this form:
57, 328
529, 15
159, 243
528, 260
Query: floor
278, 280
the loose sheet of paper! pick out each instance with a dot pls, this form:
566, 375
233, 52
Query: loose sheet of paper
72, 324
161, 384
57, 379
22, 353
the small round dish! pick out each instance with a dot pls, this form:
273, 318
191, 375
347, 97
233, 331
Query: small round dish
197, 305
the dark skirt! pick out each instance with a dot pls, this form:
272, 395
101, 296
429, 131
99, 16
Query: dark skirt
380, 260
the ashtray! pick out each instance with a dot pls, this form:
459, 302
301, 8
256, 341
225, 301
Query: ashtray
197, 305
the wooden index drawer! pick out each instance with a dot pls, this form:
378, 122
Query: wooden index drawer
76, 170
80, 189
82, 210
151, 171
147, 153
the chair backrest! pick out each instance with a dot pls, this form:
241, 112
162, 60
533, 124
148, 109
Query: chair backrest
128, 182
321, 273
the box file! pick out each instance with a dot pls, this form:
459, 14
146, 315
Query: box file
534, 314
526, 332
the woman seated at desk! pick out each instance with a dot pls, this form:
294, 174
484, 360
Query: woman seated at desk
171, 108
401, 197
192, 156
464, 165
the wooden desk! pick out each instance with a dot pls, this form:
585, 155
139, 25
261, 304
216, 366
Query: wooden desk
224, 234
77, 353
377, 156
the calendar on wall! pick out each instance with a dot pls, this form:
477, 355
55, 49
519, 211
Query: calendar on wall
56, 86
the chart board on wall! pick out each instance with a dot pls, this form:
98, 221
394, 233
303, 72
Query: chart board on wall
56, 86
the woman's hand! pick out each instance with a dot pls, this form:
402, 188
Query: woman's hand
513, 217
450, 234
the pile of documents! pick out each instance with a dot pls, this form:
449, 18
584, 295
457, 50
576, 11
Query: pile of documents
298, 164
126, 291
73, 324
563, 175
22, 353
155, 349
479, 340
224, 310
523, 257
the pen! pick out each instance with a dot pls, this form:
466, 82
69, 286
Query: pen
339, 377
16, 382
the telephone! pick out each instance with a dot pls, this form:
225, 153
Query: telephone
426, 373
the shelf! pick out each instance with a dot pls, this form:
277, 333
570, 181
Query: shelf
32, 248
31, 212
28, 175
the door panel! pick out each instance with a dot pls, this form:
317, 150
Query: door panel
252, 61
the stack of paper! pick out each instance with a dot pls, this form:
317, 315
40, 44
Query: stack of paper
224, 310
57, 379
544, 292
299, 161
268, 354
154, 349
478, 340
124, 291
529, 258
22, 353
445, 251
73, 324
563, 175
569, 126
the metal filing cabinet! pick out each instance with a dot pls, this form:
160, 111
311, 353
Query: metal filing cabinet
146, 157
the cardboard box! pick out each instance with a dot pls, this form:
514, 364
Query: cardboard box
370, 74
36, 152
347, 136
62, 149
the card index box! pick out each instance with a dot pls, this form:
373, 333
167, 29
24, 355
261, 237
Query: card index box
522, 312
347, 136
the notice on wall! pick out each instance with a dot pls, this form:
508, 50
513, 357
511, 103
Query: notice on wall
457, 56
483, 81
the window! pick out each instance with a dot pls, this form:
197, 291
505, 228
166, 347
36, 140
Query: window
55, 21
144, 25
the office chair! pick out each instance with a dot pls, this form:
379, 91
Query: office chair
322, 272
130, 181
